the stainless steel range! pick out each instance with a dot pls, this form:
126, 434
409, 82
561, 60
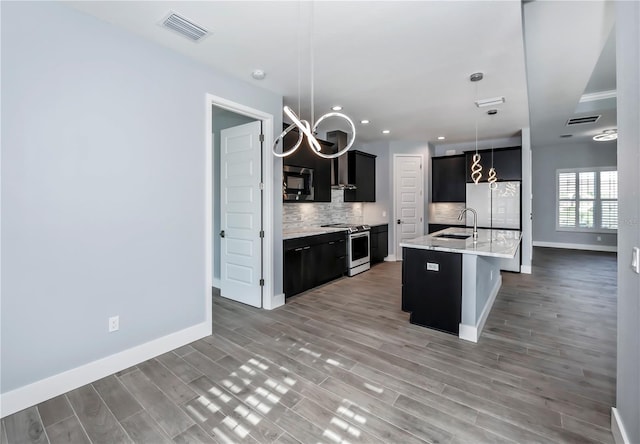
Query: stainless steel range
358, 251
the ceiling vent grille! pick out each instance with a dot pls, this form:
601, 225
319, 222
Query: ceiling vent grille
581, 120
184, 27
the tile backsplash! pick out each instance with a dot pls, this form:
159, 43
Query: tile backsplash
445, 213
308, 214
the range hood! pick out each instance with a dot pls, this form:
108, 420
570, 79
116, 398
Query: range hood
340, 165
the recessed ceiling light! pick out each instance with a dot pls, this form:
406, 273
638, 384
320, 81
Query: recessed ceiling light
336, 108
364, 122
490, 102
385, 131
258, 74
440, 137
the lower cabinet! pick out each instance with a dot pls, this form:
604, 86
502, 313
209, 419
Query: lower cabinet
379, 239
313, 260
432, 288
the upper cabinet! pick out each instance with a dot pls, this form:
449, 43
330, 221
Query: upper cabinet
362, 174
303, 157
506, 161
448, 179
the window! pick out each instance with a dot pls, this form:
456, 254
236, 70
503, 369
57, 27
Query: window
587, 199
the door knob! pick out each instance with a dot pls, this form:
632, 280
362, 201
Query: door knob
222, 233
399, 221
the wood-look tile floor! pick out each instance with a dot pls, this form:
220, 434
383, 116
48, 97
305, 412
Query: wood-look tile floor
342, 364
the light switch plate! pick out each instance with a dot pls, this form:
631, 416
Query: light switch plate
635, 259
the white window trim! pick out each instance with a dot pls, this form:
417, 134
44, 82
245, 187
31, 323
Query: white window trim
579, 229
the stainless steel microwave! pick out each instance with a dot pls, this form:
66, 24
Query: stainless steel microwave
297, 183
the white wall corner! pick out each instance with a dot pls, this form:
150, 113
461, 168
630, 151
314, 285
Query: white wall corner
390, 258
620, 435
526, 269
40, 391
468, 333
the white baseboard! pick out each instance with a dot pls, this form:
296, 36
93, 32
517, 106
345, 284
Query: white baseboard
590, 247
390, 258
472, 332
39, 391
617, 428
276, 301
526, 269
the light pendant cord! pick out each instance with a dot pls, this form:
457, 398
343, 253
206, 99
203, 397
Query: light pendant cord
304, 127
476, 168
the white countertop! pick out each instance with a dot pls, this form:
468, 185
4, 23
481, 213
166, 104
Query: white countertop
493, 243
309, 231
314, 230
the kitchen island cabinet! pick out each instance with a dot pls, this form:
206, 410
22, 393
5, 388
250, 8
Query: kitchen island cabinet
449, 278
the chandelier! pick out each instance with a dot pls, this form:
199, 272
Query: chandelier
304, 127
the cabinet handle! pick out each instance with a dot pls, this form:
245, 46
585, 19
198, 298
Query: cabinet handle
331, 243
298, 249
306, 248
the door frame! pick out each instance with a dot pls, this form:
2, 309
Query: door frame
267, 195
397, 253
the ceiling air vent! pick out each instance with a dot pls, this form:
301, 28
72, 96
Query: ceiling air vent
581, 120
184, 27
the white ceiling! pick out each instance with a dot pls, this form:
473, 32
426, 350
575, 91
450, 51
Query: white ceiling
574, 55
405, 66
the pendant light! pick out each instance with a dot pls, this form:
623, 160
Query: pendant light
476, 168
493, 177
304, 127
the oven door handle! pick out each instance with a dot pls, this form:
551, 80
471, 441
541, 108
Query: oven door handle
356, 235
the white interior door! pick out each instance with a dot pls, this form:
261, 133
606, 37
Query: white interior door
241, 213
409, 201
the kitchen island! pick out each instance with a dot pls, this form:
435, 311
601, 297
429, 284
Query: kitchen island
450, 280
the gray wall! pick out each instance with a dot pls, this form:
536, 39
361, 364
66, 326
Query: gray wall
103, 189
628, 75
222, 119
545, 161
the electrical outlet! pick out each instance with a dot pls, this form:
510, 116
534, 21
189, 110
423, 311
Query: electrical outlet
384, 214
114, 323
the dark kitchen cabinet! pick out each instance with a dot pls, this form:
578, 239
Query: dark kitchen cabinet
448, 179
379, 239
313, 260
506, 161
304, 157
432, 288
362, 174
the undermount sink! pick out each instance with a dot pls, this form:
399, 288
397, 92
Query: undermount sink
453, 236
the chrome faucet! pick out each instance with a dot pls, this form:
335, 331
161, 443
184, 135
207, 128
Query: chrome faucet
475, 221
